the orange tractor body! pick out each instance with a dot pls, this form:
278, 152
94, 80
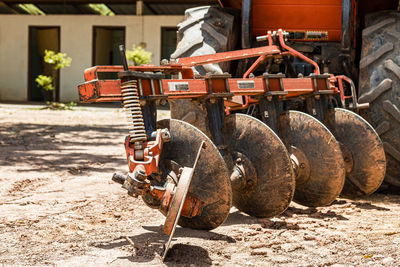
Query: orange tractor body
290, 15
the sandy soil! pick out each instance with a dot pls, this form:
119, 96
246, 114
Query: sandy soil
58, 206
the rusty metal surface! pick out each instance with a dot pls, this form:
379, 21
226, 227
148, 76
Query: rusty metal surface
210, 183
176, 206
327, 171
274, 187
364, 152
177, 199
179, 196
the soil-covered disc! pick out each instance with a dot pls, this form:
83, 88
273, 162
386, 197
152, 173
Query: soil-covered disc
327, 172
367, 155
210, 183
274, 187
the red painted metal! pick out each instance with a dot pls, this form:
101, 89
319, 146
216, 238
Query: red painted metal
253, 67
95, 90
296, 53
269, 50
106, 90
355, 105
255, 86
298, 16
152, 151
191, 207
99, 91
185, 88
186, 71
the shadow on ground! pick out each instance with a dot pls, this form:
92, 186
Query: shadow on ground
150, 245
40, 146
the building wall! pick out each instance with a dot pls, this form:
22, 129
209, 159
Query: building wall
76, 34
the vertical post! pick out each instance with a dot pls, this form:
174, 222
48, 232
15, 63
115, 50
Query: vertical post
139, 8
271, 108
123, 57
215, 120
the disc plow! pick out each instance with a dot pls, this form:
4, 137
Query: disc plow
256, 142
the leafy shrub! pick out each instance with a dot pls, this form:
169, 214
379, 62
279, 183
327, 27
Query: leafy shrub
46, 82
59, 60
138, 56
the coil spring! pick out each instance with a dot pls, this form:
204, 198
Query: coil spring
130, 101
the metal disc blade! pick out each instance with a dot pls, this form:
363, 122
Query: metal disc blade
316, 142
274, 187
177, 203
367, 156
210, 183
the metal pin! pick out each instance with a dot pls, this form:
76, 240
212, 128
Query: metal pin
140, 87
161, 88
153, 89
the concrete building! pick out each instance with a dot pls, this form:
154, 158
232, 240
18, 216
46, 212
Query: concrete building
88, 39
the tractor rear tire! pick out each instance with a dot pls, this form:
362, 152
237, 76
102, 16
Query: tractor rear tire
379, 84
205, 30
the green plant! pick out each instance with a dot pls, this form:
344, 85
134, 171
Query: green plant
46, 82
60, 61
138, 56
71, 105
60, 106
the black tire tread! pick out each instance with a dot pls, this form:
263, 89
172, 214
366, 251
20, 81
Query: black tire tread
209, 26
205, 30
379, 84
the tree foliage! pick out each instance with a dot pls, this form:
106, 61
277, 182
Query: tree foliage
102, 9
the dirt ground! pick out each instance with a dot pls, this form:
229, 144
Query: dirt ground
58, 206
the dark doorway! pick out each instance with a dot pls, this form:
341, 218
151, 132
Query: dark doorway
105, 45
168, 42
40, 39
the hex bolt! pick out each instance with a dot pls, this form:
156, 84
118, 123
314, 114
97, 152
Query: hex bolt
165, 135
140, 175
